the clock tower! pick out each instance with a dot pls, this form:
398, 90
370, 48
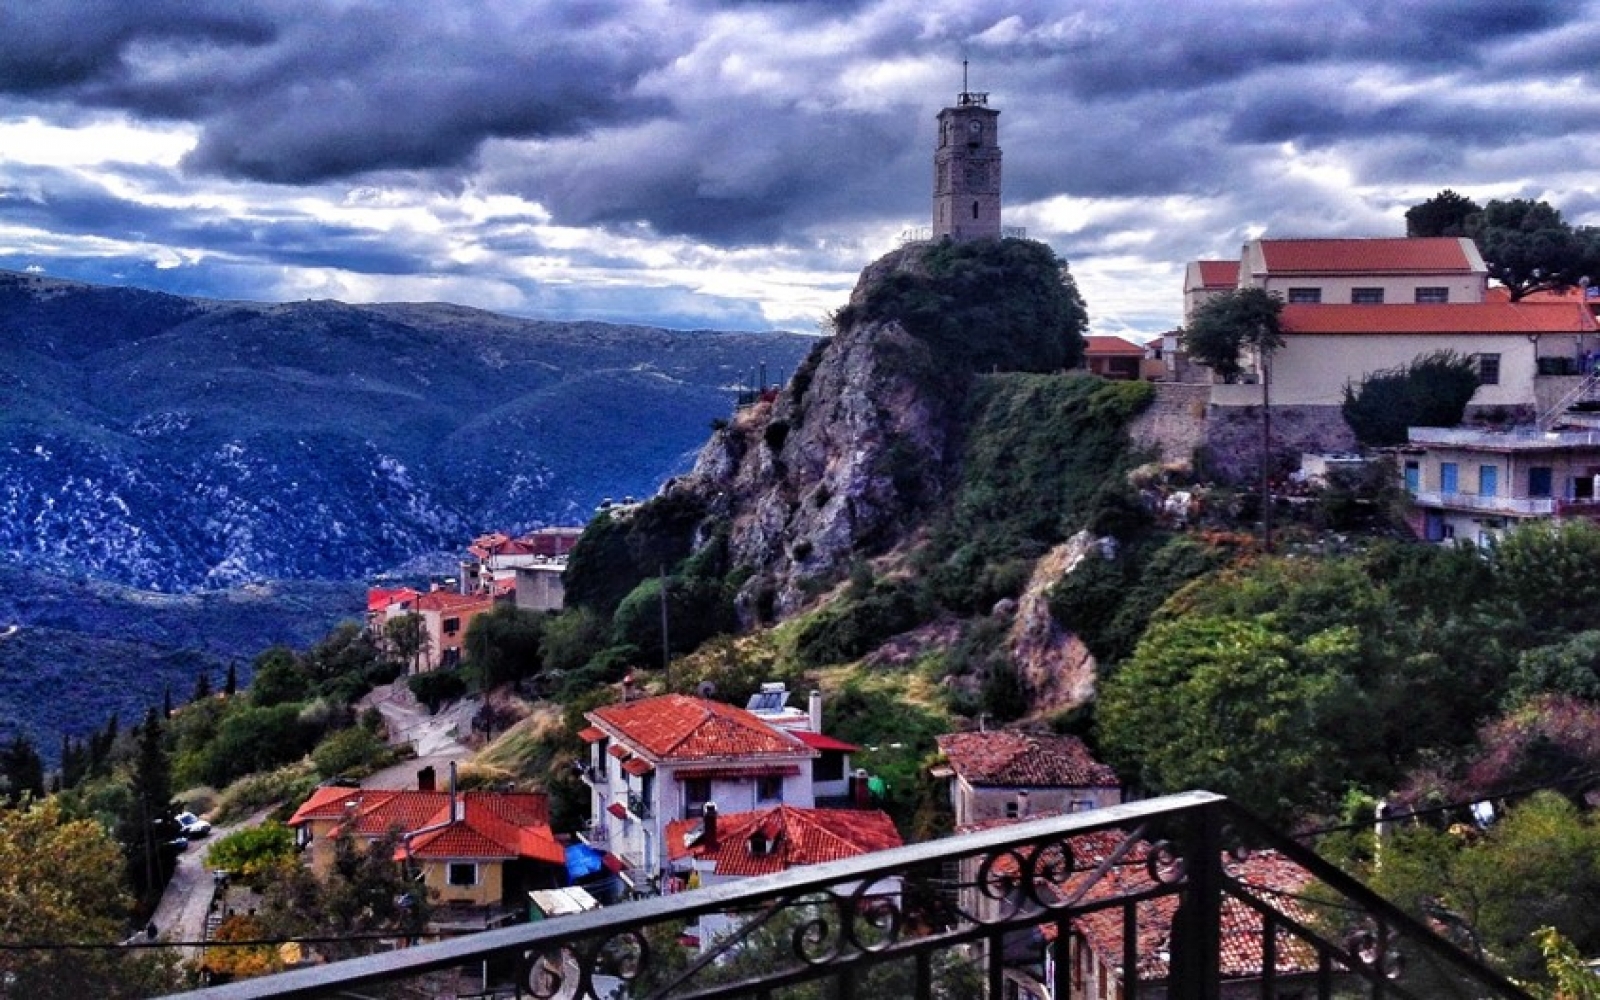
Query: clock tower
966, 170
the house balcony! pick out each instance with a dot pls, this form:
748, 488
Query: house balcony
1498, 505
965, 903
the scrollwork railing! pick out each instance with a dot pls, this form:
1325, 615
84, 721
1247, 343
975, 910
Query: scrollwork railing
1181, 895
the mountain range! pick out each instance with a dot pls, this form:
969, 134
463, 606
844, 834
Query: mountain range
174, 445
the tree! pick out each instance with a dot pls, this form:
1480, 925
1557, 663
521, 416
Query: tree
407, 636
202, 686
503, 645
1445, 214
252, 851
1530, 248
1432, 391
278, 678
147, 825
21, 771
68, 887
1221, 329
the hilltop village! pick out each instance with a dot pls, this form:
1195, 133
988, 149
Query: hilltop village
972, 581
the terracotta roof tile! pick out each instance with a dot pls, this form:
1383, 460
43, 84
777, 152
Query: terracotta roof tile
1396, 255
1443, 318
1101, 345
797, 836
1219, 273
495, 824
446, 600
818, 741
379, 599
1025, 760
677, 727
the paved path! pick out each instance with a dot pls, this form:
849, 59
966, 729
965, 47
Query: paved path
181, 914
435, 737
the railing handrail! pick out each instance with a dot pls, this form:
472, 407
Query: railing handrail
1198, 816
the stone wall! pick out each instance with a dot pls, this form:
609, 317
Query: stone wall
1181, 424
1174, 424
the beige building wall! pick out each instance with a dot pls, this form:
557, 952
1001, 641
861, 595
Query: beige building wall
489, 891
1313, 369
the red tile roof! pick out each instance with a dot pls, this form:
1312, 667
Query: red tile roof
1219, 273
1099, 345
494, 824
379, 599
1472, 317
449, 600
679, 728
1397, 255
796, 836
1023, 760
818, 741
1266, 874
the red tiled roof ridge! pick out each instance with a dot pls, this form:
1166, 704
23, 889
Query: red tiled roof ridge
1011, 758
1370, 254
679, 727
1458, 317
1103, 343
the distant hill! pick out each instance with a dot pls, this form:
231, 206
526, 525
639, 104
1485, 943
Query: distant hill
156, 443
178, 444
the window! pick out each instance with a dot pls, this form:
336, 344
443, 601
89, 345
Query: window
462, 874
1413, 476
1541, 479
1366, 296
769, 788
974, 210
450, 657
1433, 293
828, 767
1013, 809
1488, 368
1305, 296
1081, 805
452, 626
1449, 473
1488, 480
696, 793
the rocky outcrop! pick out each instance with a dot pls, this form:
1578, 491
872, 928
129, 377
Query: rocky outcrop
837, 466
1055, 667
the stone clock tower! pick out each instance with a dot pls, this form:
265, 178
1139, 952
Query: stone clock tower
966, 170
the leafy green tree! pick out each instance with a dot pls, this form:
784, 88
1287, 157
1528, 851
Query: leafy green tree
1231, 705
1232, 324
1545, 571
407, 637
571, 637
252, 851
1445, 214
1571, 666
435, 687
503, 645
1529, 247
349, 751
278, 678
1432, 391
255, 738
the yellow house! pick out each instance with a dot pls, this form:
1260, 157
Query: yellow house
471, 849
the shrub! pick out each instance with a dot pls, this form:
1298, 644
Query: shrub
436, 687
253, 850
352, 751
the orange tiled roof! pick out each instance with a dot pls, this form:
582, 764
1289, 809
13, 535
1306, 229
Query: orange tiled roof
1101, 345
494, 825
1469, 317
678, 727
798, 837
378, 599
1266, 874
1022, 760
449, 600
1219, 273
1395, 255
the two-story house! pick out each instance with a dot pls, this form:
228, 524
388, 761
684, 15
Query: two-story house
477, 853
1005, 774
445, 616
530, 564
1357, 306
656, 760
1472, 484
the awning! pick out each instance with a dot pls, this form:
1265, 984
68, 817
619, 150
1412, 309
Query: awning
592, 734
638, 766
620, 752
618, 810
747, 771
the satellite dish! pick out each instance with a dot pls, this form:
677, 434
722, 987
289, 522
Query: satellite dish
706, 689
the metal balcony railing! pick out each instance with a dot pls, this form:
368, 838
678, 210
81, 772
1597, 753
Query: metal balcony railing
967, 916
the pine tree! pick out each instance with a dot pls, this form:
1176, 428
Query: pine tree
21, 771
148, 823
232, 685
202, 686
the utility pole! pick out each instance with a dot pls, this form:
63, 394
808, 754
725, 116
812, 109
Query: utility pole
666, 649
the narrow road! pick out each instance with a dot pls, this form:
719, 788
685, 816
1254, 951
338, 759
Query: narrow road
181, 914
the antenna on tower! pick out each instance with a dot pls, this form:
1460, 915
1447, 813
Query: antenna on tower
969, 98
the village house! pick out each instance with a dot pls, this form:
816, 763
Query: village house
1114, 357
445, 617
1353, 307
1005, 774
477, 853
717, 849
530, 565
654, 761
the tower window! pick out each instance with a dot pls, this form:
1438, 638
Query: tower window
974, 210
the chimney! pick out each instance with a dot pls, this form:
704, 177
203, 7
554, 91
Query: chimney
863, 791
1022, 804
816, 711
708, 835
457, 807
426, 779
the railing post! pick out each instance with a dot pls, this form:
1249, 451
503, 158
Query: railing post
1197, 925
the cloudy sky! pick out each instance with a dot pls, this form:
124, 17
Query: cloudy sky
734, 165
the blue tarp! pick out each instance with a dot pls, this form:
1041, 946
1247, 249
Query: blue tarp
582, 861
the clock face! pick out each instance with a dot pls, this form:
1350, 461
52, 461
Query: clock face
975, 127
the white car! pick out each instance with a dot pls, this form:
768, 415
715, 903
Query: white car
192, 826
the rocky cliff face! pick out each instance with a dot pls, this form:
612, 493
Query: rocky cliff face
837, 465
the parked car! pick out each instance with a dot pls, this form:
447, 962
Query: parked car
193, 826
